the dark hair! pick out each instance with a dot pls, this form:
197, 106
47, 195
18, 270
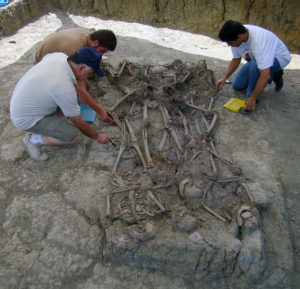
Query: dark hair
230, 30
73, 58
106, 38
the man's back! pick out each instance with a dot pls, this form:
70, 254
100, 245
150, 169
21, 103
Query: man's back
42, 89
263, 45
67, 41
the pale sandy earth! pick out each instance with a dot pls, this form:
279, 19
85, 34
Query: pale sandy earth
179, 40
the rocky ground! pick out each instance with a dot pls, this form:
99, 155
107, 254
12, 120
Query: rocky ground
52, 230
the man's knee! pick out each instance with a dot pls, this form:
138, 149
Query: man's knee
237, 86
76, 139
71, 136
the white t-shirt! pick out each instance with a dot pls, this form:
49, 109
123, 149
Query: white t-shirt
45, 87
264, 46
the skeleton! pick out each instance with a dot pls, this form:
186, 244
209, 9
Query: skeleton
136, 199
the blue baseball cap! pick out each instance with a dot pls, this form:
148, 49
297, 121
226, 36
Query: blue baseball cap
90, 57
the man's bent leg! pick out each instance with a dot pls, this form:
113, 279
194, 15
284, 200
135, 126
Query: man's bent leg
276, 74
253, 76
241, 79
56, 130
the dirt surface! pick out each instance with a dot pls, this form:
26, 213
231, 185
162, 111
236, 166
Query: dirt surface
264, 144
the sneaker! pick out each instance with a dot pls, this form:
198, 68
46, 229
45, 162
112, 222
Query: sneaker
246, 111
277, 78
34, 150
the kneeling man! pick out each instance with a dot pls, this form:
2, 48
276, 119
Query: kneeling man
47, 93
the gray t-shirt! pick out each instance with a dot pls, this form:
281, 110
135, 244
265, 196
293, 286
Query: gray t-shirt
45, 87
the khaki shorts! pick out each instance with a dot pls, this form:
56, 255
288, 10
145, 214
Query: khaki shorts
56, 127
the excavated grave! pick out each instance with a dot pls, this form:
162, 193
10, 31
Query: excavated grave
174, 203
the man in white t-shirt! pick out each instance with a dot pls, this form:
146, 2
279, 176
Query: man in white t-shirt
46, 93
266, 56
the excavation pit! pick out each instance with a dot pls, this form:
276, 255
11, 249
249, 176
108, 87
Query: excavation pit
174, 203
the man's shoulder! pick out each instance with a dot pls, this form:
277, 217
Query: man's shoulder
55, 56
69, 33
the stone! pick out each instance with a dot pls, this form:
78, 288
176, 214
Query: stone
187, 224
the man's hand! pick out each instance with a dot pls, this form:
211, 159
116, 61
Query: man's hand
102, 138
220, 83
250, 104
88, 130
233, 65
107, 117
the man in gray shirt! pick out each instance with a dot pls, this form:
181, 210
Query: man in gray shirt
46, 93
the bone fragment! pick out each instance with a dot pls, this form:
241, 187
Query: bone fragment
163, 112
132, 107
147, 152
117, 120
124, 189
121, 150
197, 126
211, 103
194, 156
229, 180
134, 143
163, 141
220, 157
147, 213
122, 67
122, 99
213, 212
184, 121
108, 205
145, 115
115, 184
108, 68
206, 124
213, 122
197, 107
182, 186
192, 130
207, 189
240, 211
248, 192
173, 133
185, 78
212, 145
176, 139
156, 201
213, 164
163, 186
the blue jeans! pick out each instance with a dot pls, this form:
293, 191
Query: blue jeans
247, 76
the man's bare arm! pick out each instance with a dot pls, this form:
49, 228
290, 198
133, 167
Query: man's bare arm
260, 85
88, 99
233, 65
86, 129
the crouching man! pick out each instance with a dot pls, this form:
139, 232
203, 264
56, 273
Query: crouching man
266, 57
46, 93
